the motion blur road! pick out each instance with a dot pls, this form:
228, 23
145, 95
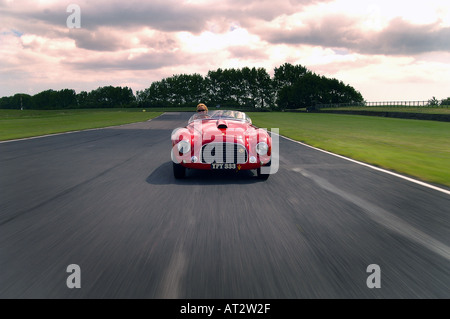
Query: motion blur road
107, 201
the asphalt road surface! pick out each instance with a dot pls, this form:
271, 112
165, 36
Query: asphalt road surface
106, 200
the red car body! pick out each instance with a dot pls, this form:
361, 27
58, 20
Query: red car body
221, 140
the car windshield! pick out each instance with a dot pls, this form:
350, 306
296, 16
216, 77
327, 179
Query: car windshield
222, 114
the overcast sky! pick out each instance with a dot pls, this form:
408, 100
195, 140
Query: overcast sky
386, 49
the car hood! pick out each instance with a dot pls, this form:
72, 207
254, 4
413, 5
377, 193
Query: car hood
213, 129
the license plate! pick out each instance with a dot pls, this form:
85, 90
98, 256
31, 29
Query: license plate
223, 166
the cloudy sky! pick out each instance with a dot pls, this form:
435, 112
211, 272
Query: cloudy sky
386, 49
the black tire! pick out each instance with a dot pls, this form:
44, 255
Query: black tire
179, 171
261, 176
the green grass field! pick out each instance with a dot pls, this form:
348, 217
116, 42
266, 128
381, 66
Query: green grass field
16, 124
412, 147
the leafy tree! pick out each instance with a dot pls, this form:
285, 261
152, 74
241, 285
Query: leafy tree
66, 98
46, 100
312, 89
433, 102
109, 97
445, 102
17, 101
82, 99
194, 89
5, 102
288, 74
240, 87
218, 87
265, 89
155, 96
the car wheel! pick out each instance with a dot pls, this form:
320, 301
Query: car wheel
179, 171
261, 175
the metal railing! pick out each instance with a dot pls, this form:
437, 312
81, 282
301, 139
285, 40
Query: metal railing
430, 103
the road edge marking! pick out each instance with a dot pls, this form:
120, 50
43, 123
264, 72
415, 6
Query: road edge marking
372, 167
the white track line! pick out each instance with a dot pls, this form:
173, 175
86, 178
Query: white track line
373, 167
383, 217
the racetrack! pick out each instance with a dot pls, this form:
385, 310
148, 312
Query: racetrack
107, 201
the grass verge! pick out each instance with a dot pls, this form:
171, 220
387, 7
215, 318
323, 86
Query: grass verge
412, 147
16, 124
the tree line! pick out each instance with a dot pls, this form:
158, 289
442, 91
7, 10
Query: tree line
103, 97
291, 87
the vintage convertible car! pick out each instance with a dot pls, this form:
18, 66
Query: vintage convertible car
221, 140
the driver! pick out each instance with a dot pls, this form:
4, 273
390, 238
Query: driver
202, 111
202, 108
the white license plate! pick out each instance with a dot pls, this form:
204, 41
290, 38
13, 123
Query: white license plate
223, 166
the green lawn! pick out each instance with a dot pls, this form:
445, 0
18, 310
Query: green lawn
19, 124
413, 147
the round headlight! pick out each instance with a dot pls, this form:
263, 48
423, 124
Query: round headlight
262, 148
184, 146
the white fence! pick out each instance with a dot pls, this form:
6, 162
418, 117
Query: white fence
430, 103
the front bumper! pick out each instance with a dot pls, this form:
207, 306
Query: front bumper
239, 167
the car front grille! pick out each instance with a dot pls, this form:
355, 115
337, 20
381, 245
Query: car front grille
224, 153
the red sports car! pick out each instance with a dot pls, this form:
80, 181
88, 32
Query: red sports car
221, 140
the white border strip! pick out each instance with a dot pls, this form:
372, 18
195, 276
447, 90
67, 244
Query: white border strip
70, 132
373, 167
